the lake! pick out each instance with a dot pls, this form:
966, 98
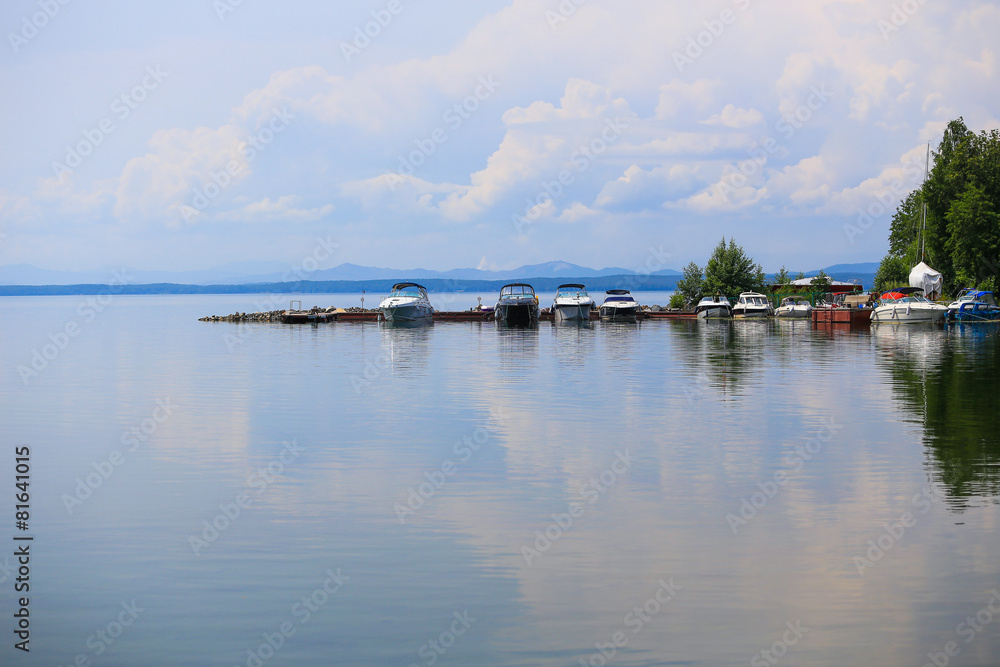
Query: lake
669, 492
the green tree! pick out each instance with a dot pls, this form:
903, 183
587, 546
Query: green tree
960, 230
892, 272
782, 277
691, 285
730, 271
972, 225
821, 283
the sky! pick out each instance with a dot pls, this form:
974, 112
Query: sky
188, 134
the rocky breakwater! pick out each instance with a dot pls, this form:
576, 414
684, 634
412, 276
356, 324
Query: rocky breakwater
281, 315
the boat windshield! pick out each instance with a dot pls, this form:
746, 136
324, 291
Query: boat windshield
408, 291
570, 293
981, 297
517, 290
618, 298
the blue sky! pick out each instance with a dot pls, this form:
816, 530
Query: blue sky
182, 135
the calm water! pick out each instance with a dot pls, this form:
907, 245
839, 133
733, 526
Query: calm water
683, 493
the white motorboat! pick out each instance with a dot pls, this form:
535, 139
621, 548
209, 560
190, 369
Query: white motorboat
517, 305
752, 305
973, 306
407, 303
794, 306
571, 304
904, 305
714, 307
619, 306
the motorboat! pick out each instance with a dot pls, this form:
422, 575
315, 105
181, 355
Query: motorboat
752, 305
904, 305
973, 306
517, 305
407, 303
794, 306
619, 306
572, 304
714, 307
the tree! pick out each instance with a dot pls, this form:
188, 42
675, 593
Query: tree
960, 227
782, 277
691, 285
821, 283
730, 271
972, 225
892, 272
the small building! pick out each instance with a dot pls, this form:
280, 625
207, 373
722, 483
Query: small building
805, 285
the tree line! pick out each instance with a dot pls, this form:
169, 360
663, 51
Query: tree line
954, 216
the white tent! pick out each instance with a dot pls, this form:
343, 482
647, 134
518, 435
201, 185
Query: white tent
927, 279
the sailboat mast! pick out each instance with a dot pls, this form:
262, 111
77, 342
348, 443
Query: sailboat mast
923, 193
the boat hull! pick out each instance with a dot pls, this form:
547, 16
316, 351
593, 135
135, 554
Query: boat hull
410, 313
516, 314
615, 314
908, 314
713, 313
571, 313
750, 313
976, 313
793, 312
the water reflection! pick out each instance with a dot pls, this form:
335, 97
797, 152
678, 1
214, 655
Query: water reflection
947, 380
517, 352
722, 354
407, 347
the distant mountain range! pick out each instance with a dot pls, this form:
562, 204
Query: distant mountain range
247, 273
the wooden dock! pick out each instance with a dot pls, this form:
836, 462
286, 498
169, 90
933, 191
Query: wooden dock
853, 318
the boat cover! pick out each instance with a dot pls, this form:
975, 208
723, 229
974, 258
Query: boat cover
927, 279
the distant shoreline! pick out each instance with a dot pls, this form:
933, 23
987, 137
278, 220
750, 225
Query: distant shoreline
632, 282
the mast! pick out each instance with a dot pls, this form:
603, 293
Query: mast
923, 203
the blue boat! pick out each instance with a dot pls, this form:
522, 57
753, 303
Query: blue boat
973, 306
